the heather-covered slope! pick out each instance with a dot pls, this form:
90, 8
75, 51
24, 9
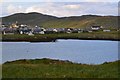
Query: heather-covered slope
55, 22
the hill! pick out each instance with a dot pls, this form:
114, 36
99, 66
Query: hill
48, 68
48, 21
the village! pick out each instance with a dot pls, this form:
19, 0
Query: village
16, 28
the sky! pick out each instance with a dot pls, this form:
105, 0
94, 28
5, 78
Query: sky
59, 8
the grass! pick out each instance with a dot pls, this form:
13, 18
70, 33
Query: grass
48, 68
113, 35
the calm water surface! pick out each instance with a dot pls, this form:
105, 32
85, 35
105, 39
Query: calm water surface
80, 51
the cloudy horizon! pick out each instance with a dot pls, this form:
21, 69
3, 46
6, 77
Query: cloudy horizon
61, 9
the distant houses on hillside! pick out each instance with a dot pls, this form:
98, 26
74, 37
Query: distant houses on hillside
25, 29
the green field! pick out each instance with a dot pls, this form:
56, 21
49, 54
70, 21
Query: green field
48, 68
113, 35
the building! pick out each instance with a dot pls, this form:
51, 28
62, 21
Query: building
60, 30
95, 28
49, 30
14, 25
68, 30
55, 30
106, 30
24, 30
10, 30
36, 30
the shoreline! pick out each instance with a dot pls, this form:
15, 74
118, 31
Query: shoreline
113, 36
54, 40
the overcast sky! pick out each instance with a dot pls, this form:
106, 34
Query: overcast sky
61, 9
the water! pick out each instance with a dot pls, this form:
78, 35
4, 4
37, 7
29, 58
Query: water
79, 51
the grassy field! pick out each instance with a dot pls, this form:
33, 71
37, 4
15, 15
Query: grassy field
48, 68
113, 35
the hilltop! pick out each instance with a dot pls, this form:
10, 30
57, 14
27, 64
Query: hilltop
49, 21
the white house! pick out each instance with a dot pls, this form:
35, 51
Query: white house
96, 27
55, 30
21, 32
42, 32
106, 30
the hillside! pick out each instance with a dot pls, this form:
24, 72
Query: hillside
48, 68
84, 21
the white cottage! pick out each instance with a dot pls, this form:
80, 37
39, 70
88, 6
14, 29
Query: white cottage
96, 27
